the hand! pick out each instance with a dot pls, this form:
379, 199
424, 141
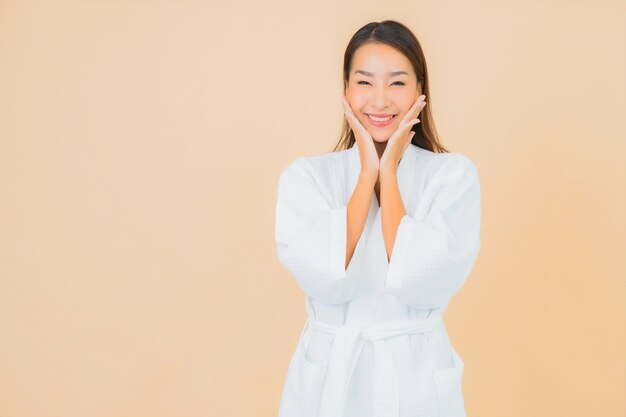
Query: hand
367, 151
401, 138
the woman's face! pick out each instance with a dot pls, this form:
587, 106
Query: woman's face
372, 89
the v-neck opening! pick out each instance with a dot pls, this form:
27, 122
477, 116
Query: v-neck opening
376, 207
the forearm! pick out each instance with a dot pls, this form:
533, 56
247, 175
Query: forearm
392, 209
358, 209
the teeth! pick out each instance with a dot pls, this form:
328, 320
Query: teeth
378, 119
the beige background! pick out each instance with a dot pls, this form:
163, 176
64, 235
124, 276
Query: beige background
140, 147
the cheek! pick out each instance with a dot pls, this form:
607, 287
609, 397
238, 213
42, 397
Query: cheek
357, 102
406, 110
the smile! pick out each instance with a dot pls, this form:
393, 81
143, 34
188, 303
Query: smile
380, 119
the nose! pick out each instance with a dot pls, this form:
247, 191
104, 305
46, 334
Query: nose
380, 98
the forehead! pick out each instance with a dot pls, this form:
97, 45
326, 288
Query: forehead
380, 59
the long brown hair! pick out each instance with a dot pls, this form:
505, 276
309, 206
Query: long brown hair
399, 37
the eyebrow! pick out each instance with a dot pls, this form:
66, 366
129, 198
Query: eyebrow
371, 74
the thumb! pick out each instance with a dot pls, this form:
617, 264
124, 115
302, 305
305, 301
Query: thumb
408, 142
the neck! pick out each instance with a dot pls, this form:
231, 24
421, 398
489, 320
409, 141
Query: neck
380, 148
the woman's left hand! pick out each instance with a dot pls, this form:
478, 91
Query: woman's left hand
400, 139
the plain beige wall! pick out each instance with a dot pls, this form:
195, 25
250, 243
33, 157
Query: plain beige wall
140, 147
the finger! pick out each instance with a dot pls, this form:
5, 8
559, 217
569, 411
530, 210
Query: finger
355, 124
346, 105
407, 142
409, 113
350, 114
414, 110
346, 108
410, 123
419, 108
343, 100
402, 131
352, 120
420, 102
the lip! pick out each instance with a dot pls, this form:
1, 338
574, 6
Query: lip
380, 124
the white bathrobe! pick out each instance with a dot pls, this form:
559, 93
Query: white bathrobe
374, 343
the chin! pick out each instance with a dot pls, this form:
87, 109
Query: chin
379, 139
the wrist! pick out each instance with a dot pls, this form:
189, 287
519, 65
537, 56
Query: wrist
368, 178
388, 175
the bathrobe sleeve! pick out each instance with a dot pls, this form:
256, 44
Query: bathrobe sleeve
433, 256
311, 236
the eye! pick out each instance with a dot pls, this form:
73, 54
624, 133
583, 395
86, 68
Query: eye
401, 83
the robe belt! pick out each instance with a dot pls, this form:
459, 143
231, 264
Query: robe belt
346, 349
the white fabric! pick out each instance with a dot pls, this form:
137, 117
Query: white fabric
375, 344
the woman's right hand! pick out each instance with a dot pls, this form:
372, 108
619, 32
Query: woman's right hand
367, 151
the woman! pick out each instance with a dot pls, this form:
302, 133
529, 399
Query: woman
379, 235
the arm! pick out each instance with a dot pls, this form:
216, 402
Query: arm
392, 209
433, 256
312, 235
358, 209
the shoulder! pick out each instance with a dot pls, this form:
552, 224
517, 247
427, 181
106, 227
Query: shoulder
318, 167
444, 166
